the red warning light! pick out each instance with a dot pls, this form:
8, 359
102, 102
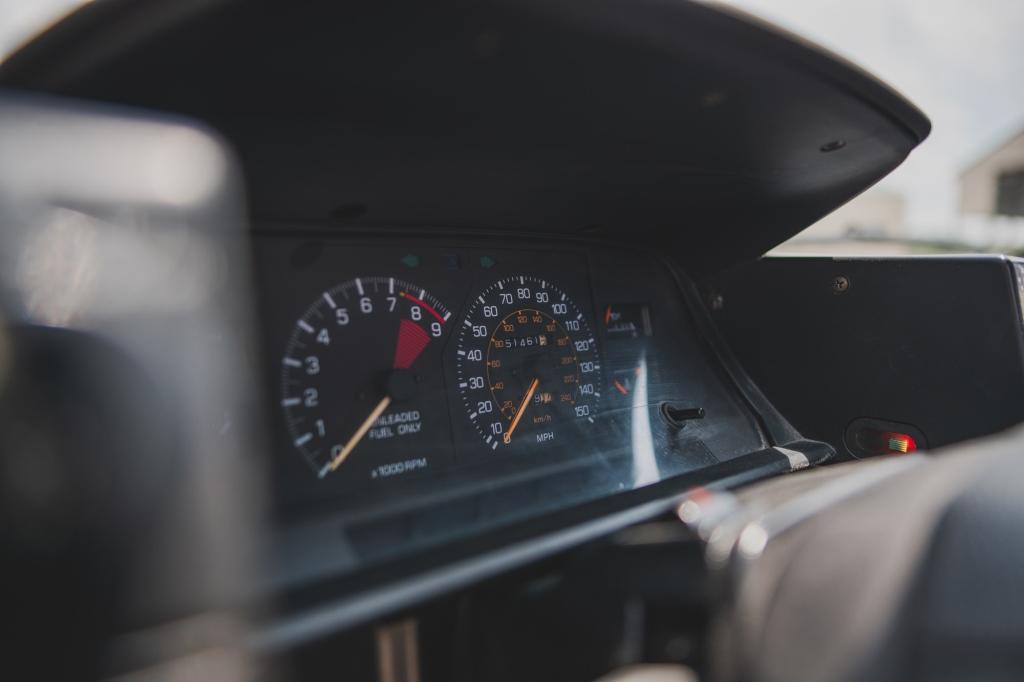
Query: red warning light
900, 443
867, 437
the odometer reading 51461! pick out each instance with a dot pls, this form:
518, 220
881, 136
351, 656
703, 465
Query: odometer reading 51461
527, 363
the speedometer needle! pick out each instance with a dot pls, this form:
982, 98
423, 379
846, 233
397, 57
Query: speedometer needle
519, 413
360, 432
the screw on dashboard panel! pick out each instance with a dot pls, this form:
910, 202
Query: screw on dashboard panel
840, 284
676, 415
712, 99
832, 145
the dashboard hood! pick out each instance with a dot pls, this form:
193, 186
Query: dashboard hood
679, 125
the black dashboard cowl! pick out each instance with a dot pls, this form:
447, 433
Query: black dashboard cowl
674, 124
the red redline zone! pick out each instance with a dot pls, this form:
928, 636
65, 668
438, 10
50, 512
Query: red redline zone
412, 339
423, 304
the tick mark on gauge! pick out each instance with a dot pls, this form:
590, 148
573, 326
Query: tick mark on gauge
494, 445
446, 316
467, 323
563, 297
290, 402
481, 299
461, 352
292, 362
500, 285
463, 385
303, 439
472, 416
359, 286
330, 301
391, 285
423, 293
305, 326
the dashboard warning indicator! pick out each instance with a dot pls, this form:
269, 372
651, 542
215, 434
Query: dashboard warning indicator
627, 320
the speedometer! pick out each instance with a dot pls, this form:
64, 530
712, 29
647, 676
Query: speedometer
527, 363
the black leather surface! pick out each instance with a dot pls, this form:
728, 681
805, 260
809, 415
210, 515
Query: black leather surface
917, 576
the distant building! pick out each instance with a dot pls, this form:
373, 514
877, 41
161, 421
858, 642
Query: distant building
994, 184
876, 214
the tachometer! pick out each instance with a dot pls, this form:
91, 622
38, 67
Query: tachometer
350, 386
527, 363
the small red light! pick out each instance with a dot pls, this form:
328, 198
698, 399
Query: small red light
900, 443
868, 437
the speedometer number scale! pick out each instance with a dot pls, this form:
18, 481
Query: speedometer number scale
527, 363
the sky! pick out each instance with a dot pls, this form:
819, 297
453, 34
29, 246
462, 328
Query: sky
960, 61
21, 19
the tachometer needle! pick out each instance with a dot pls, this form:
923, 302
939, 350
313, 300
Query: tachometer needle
519, 413
360, 432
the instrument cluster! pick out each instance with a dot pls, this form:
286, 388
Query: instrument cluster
426, 390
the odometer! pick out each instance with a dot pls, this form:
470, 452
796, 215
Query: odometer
527, 363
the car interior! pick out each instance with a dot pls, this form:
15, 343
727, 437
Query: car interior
408, 342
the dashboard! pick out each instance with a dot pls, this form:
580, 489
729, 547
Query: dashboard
457, 444
426, 390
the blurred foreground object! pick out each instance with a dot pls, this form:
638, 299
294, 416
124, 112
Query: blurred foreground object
128, 458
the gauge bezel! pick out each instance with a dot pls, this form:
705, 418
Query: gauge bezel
432, 319
476, 342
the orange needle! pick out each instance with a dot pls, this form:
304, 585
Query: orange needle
360, 432
519, 413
